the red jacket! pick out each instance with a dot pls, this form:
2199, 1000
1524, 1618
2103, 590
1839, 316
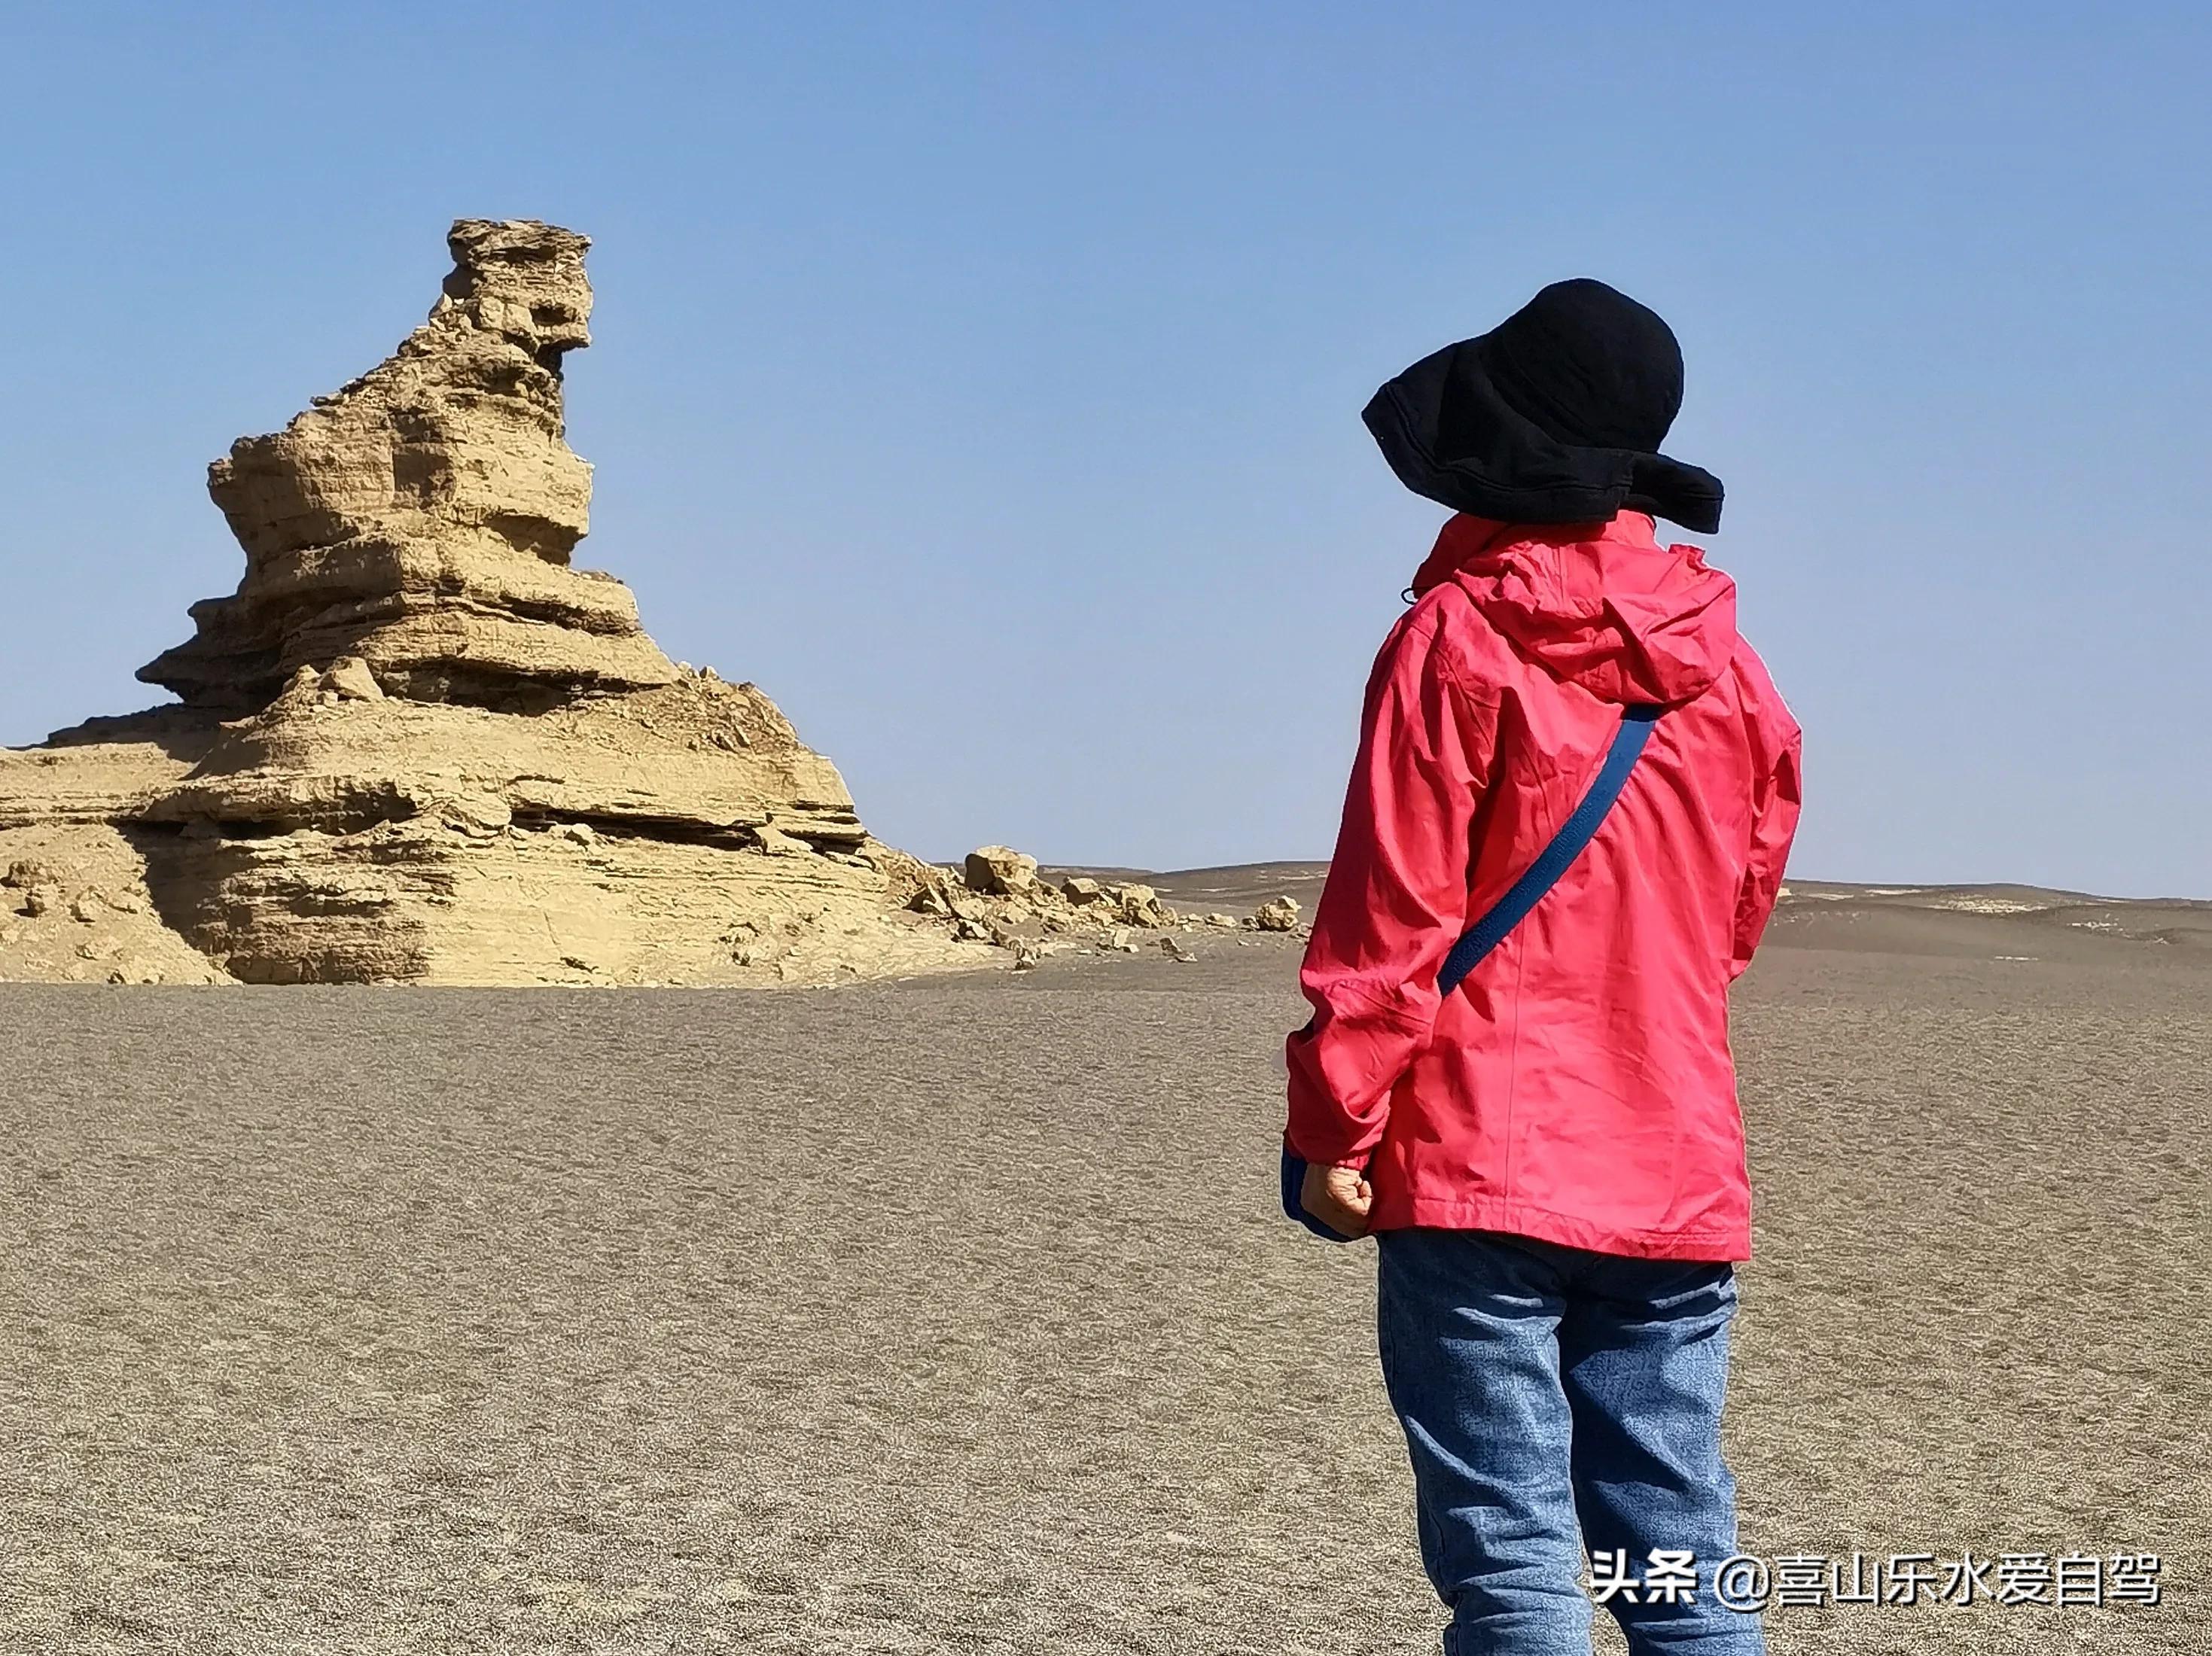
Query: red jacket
1578, 1087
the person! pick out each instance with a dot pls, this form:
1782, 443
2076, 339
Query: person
1551, 1157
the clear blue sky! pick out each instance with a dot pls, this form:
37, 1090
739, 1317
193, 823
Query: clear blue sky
984, 381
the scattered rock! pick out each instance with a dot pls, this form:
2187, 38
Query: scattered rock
1139, 905
303, 689
87, 908
350, 680
999, 895
39, 901
1277, 914
1000, 871
1227, 921
25, 873
1175, 951
581, 833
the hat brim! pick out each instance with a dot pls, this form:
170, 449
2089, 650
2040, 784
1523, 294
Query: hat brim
1451, 437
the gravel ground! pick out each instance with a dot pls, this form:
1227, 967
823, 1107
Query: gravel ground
951, 1316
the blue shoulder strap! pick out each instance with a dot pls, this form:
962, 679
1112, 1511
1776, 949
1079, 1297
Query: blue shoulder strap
1556, 858
1509, 911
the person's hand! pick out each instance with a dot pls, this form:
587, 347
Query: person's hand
1339, 1197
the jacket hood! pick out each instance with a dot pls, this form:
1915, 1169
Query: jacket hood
1601, 606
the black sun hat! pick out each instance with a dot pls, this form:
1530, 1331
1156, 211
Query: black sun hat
1555, 415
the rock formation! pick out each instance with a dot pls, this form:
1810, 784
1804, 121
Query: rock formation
418, 745
423, 518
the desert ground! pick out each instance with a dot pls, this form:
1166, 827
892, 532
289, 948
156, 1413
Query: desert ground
954, 1315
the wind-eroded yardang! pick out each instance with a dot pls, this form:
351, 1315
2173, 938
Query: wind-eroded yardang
417, 744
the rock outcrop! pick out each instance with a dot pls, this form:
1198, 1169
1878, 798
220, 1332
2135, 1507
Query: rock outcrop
423, 518
999, 896
418, 745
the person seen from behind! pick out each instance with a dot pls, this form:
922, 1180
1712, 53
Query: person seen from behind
1568, 751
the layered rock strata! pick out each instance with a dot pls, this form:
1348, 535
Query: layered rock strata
424, 518
418, 745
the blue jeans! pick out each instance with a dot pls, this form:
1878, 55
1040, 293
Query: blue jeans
1547, 1391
